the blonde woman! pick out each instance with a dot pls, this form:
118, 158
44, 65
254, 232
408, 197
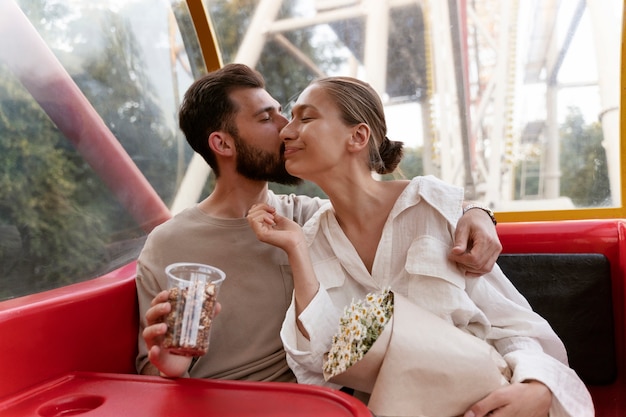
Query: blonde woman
378, 234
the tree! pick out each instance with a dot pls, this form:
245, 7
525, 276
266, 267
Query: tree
584, 173
116, 84
58, 221
46, 239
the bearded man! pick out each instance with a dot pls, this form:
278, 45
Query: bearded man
230, 119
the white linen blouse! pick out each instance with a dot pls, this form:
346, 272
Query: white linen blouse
412, 259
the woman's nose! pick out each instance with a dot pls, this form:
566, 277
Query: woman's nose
287, 132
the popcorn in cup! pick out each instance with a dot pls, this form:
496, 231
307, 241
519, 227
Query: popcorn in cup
193, 294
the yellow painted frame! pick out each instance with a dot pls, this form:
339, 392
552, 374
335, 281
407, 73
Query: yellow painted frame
212, 58
206, 36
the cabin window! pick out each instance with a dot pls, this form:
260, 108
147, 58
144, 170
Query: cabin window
517, 101
90, 149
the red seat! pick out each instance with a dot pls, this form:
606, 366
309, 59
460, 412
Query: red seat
92, 327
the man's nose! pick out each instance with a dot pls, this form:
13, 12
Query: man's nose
286, 132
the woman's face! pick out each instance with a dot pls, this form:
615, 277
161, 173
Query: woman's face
315, 138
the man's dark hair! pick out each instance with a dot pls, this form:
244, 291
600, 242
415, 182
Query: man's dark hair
207, 106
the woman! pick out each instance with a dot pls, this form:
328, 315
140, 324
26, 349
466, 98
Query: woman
379, 234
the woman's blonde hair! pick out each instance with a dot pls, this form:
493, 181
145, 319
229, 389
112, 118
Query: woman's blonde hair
358, 103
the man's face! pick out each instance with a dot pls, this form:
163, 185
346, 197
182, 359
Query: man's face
256, 133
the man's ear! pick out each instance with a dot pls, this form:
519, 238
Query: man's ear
360, 137
221, 143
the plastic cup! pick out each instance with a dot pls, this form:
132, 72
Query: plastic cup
193, 295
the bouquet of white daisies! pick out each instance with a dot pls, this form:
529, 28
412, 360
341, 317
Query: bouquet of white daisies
360, 326
412, 362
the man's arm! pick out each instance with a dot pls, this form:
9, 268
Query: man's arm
476, 242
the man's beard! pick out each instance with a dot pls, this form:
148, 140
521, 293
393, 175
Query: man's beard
257, 164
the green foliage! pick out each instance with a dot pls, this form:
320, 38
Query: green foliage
116, 84
230, 21
583, 165
285, 76
49, 241
58, 221
529, 170
584, 172
410, 166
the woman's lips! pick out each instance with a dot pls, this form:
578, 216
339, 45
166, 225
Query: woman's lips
290, 150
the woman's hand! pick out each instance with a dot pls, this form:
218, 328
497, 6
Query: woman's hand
286, 234
273, 228
521, 399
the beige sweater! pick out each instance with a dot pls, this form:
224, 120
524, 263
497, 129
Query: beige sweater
245, 342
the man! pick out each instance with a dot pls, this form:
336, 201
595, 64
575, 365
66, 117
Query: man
232, 121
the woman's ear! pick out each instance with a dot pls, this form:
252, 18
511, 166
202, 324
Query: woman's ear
221, 143
360, 137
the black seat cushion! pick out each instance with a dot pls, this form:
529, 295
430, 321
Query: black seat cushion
573, 293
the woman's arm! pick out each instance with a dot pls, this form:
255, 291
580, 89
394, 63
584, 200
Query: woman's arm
532, 350
284, 233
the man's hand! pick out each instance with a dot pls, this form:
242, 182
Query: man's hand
522, 399
476, 244
169, 365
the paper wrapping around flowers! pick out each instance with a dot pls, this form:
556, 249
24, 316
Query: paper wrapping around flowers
362, 375
422, 366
